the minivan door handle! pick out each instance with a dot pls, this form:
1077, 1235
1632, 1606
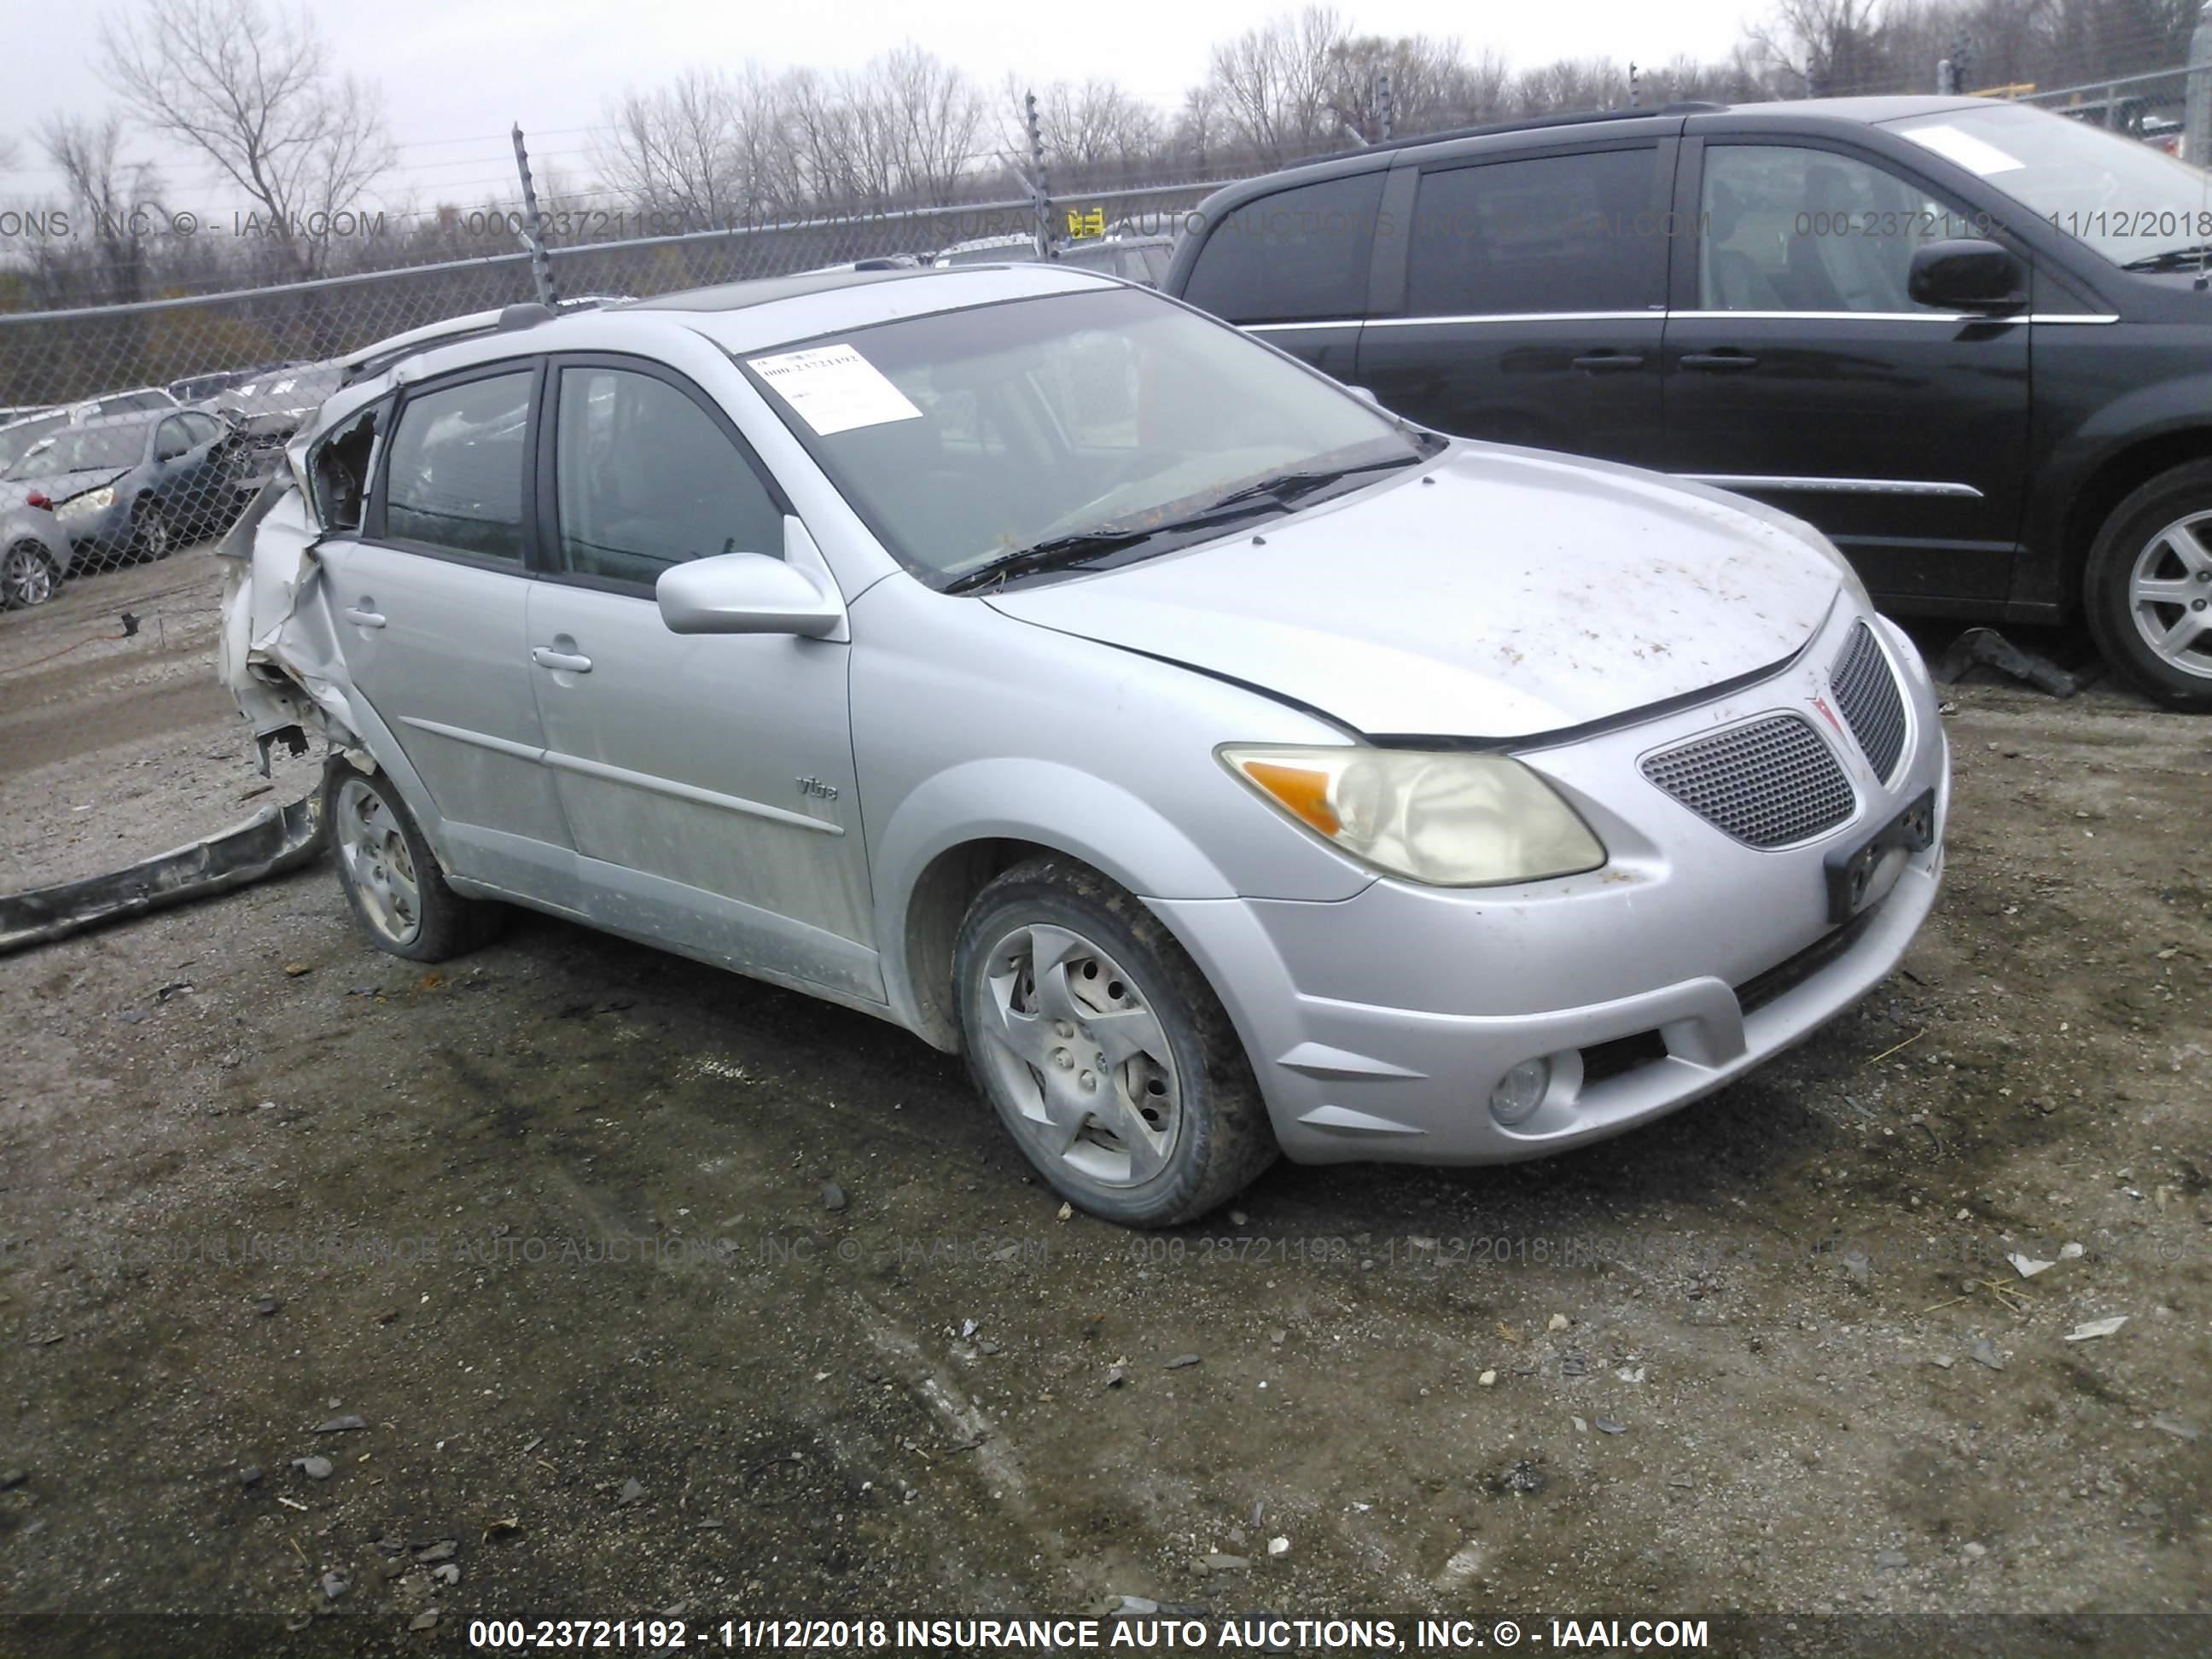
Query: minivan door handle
563, 661
363, 615
1609, 362
1717, 362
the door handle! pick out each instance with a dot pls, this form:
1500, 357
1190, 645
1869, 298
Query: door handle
565, 662
1609, 362
1717, 362
362, 615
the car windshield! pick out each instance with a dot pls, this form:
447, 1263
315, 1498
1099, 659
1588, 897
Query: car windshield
2128, 200
16, 440
81, 449
963, 437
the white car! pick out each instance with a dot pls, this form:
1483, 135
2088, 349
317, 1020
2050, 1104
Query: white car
1026, 658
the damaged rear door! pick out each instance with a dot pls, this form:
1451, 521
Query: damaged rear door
427, 607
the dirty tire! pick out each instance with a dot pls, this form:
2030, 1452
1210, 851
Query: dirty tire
366, 816
1218, 1139
29, 576
156, 540
2123, 557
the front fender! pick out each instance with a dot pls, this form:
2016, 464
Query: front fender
1017, 799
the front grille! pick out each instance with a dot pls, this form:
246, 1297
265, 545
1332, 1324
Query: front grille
1768, 784
1866, 693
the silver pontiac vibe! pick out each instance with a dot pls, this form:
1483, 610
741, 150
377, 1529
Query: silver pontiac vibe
1225, 765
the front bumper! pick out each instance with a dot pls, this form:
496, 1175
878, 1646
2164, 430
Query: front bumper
1379, 1025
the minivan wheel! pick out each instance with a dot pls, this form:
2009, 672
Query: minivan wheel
27, 576
392, 879
1103, 1050
2148, 589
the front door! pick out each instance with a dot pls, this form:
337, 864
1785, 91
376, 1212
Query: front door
427, 607
1535, 289
708, 778
1803, 374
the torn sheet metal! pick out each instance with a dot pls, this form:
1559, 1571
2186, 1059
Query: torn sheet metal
274, 840
277, 654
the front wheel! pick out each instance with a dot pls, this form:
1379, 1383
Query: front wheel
2149, 587
156, 540
29, 576
1103, 1050
392, 879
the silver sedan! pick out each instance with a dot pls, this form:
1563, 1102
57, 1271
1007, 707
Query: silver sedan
1225, 767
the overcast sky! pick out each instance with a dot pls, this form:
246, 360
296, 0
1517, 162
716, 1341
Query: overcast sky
456, 73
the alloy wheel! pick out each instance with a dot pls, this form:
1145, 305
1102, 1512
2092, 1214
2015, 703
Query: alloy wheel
26, 578
2170, 595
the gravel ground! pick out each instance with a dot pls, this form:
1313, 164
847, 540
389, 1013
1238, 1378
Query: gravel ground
551, 1224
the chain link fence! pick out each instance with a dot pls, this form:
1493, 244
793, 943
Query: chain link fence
134, 429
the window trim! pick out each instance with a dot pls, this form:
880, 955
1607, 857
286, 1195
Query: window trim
1363, 278
373, 527
544, 551
1687, 265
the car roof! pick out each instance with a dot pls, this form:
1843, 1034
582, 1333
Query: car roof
127, 418
1337, 163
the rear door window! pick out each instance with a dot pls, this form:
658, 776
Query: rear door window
1297, 256
1546, 234
454, 482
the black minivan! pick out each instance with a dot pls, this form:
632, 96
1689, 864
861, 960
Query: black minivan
1971, 341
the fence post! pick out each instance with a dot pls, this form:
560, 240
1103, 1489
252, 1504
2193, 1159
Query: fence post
1384, 113
1635, 87
2196, 121
1041, 186
1947, 77
533, 226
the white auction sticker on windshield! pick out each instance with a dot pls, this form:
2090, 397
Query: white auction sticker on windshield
834, 388
1977, 155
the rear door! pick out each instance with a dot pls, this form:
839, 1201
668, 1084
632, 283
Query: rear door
428, 605
1293, 268
708, 778
1799, 369
1534, 300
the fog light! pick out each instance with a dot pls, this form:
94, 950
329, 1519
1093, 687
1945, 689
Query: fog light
1521, 1091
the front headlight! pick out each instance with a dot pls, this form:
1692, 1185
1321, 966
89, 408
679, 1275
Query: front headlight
95, 500
1442, 820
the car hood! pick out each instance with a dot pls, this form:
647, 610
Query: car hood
58, 487
1519, 593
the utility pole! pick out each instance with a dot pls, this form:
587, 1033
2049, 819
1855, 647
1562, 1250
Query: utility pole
533, 227
1041, 186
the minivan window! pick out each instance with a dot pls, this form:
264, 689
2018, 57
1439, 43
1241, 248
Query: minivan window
1783, 228
1548, 233
1297, 256
455, 480
646, 480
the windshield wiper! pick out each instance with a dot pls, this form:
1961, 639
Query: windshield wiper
1065, 552
1288, 487
2173, 258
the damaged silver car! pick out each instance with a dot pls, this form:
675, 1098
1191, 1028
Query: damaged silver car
1225, 766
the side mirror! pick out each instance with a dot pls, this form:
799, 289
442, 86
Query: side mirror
745, 593
1966, 274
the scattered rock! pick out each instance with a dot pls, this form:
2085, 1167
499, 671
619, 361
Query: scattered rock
1277, 1337
1115, 1377
294, 969
1890, 1560
446, 1574
632, 1490
1556, 1322
1946, 1361
340, 1425
1181, 1362
424, 1620
1976, 1551
2026, 1266
1984, 1353
267, 1305
250, 1475
1239, 1219
315, 1468
1066, 1212
336, 1584
2091, 1330
444, 1550
1219, 1563
2168, 1423
833, 1196
1608, 1425
1278, 1546
1487, 1380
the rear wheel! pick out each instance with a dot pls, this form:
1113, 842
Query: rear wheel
2149, 587
1103, 1050
392, 879
29, 576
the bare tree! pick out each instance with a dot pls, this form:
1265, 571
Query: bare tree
255, 94
1275, 83
706, 150
1830, 46
1088, 129
119, 198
